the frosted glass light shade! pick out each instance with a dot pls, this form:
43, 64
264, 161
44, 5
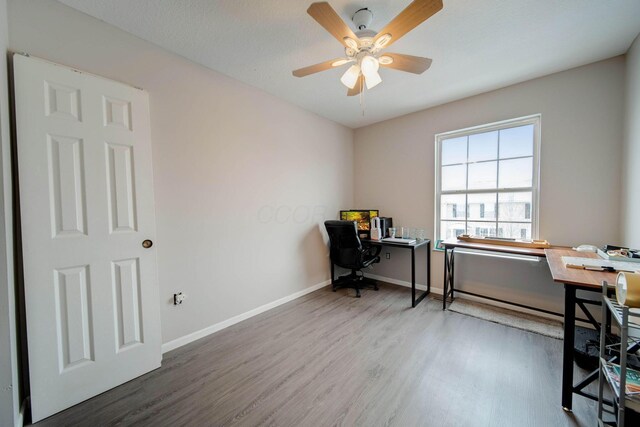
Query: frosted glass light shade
350, 77
370, 67
372, 80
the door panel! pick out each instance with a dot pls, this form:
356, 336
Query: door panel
121, 190
67, 190
117, 113
126, 282
73, 316
62, 101
86, 199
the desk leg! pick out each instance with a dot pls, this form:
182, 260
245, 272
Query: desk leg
446, 279
429, 267
415, 301
452, 266
413, 277
447, 289
567, 352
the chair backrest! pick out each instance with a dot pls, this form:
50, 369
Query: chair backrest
345, 247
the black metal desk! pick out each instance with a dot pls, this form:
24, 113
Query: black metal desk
420, 243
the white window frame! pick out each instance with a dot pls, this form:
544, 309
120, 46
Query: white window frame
534, 120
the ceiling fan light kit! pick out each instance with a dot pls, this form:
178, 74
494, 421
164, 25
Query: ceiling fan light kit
363, 48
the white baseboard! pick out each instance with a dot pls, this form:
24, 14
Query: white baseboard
403, 283
179, 342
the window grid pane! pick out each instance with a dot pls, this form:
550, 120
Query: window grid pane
482, 176
513, 206
453, 206
481, 207
454, 177
454, 151
518, 141
452, 229
514, 173
499, 159
483, 146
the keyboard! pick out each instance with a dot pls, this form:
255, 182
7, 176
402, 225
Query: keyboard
399, 240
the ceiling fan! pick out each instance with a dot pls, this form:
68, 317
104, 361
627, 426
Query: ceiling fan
363, 48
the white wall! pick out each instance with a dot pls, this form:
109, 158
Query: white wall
582, 122
242, 179
631, 174
9, 380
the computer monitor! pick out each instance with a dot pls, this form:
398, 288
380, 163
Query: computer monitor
362, 217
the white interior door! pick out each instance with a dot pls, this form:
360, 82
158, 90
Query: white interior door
86, 197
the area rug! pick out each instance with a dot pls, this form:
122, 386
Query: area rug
514, 319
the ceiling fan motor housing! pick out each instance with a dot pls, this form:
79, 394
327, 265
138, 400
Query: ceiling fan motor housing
362, 18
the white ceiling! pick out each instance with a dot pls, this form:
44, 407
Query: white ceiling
476, 45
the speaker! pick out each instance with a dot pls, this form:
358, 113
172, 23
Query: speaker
385, 224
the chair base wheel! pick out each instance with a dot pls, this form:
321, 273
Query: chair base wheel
354, 282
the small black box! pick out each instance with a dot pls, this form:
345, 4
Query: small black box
385, 224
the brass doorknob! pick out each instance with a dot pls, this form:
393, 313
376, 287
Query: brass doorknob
147, 244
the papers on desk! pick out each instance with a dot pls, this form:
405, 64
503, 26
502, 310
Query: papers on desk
399, 240
596, 264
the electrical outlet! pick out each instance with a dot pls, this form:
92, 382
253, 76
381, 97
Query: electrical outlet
388, 255
178, 298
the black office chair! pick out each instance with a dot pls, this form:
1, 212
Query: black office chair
346, 251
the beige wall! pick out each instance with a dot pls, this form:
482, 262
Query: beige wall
242, 179
582, 111
631, 174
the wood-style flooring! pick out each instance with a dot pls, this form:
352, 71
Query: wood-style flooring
330, 359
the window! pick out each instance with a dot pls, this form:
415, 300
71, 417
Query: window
487, 180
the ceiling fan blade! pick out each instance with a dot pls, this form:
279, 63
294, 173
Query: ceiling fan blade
408, 63
357, 88
323, 66
412, 16
329, 19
